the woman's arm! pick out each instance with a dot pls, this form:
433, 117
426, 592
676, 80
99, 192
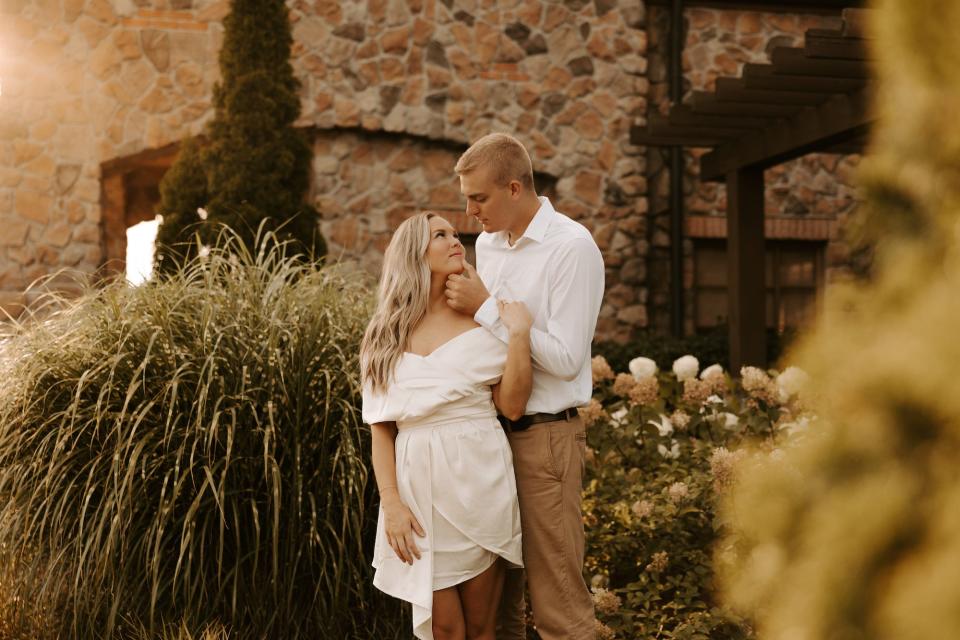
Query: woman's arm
511, 394
399, 522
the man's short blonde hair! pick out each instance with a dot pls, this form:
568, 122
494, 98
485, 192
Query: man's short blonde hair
506, 157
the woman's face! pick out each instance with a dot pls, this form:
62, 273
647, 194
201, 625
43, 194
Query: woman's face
444, 253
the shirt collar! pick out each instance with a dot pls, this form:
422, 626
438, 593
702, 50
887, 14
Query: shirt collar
537, 229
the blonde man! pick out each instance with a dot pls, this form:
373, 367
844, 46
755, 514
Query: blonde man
530, 252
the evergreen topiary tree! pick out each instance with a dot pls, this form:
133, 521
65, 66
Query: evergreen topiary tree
183, 191
254, 168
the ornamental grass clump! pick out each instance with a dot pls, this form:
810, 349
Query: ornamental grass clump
855, 532
190, 453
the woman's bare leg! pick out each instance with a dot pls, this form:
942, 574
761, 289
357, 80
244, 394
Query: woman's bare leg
448, 623
480, 598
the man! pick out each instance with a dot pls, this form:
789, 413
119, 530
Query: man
530, 252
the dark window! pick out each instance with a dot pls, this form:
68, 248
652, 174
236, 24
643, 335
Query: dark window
794, 275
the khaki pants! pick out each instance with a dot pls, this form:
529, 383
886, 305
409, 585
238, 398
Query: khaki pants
548, 459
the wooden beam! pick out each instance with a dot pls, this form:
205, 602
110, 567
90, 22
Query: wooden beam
856, 22
746, 294
683, 114
821, 43
734, 90
764, 76
659, 125
792, 61
856, 145
113, 228
841, 118
703, 102
640, 137
161, 157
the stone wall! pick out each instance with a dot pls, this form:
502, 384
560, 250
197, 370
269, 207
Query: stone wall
96, 93
90, 81
84, 82
368, 183
567, 78
718, 43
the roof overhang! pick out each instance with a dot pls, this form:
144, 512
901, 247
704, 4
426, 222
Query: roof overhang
807, 99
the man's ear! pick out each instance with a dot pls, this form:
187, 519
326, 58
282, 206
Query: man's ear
515, 188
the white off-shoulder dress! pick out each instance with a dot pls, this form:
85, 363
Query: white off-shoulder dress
454, 470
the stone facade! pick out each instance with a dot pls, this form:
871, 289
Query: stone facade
96, 94
567, 78
816, 188
85, 82
108, 80
367, 184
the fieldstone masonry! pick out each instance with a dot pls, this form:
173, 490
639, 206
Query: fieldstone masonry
96, 93
367, 184
84, 82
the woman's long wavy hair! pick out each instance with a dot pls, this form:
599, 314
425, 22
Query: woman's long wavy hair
401, 301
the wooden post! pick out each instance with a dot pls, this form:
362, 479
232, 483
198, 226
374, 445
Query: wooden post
746, 268
113, 203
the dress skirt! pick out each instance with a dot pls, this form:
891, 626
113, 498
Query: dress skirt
455, 473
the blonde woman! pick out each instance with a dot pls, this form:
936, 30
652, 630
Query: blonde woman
433, 382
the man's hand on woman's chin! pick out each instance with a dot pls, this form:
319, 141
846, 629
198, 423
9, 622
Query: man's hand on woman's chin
465, 291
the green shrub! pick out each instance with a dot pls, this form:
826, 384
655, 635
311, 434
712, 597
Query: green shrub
253, 166
660, 452
190, 453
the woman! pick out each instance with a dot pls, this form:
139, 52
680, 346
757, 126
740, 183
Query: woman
433, 379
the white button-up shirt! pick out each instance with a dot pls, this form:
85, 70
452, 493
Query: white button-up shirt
556, 269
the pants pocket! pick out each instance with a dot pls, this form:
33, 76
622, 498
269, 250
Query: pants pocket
580, 437
558, 450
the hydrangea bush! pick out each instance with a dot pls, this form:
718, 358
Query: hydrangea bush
661, 450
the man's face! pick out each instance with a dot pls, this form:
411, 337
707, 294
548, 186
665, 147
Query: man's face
490, 204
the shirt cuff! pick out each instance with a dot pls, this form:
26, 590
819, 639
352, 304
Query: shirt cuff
488, 314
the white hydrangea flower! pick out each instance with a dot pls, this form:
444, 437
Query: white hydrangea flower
672, 453
686, 367
643, 368
617, 416
790, 382
711, 370
731, 421
799, 425
664, 427
714, 399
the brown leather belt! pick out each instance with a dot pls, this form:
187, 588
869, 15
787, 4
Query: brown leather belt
527, 421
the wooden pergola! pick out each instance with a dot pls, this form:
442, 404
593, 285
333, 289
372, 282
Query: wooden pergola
813, 98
